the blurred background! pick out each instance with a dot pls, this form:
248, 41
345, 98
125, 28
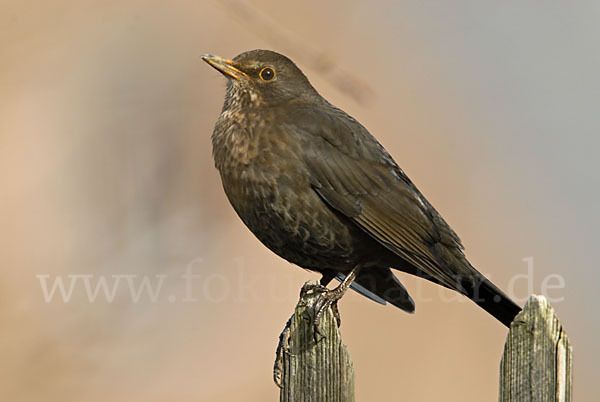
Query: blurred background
106, 174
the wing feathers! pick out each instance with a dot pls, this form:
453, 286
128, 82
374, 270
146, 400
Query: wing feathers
354, 174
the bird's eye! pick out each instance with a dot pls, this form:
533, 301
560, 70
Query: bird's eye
267, 74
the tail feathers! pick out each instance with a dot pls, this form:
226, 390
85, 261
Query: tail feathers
380, 285
479, 289
487, 296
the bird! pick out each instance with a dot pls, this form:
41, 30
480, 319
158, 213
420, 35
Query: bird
316, 188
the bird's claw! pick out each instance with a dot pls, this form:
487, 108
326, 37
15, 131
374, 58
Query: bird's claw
327, 298
282, 349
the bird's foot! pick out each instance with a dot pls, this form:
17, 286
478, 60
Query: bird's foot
315, 297
329, 298
283, 348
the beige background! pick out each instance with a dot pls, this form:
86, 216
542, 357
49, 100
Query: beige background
105, 166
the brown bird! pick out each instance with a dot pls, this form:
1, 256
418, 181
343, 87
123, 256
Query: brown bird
316, 188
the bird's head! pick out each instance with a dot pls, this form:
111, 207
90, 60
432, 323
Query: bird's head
262, 77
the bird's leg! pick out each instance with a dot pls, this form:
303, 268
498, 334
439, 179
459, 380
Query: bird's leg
330, 297
321, 285
282, 349
327, 276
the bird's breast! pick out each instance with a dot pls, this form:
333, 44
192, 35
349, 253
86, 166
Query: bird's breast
269, 187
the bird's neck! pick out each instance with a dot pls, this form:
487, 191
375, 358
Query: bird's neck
235, 136
239, 97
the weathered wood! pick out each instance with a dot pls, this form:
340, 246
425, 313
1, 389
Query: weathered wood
314, 366
537, 361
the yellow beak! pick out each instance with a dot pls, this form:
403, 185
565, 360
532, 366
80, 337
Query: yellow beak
224, 66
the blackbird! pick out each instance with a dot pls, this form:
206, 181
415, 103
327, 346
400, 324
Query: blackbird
318, 189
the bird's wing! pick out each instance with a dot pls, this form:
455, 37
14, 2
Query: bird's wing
354, 174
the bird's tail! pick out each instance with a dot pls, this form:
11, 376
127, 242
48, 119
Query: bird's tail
487, 296
479, 289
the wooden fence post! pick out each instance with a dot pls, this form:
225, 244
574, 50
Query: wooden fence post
537, 361
536, 365
309, 370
